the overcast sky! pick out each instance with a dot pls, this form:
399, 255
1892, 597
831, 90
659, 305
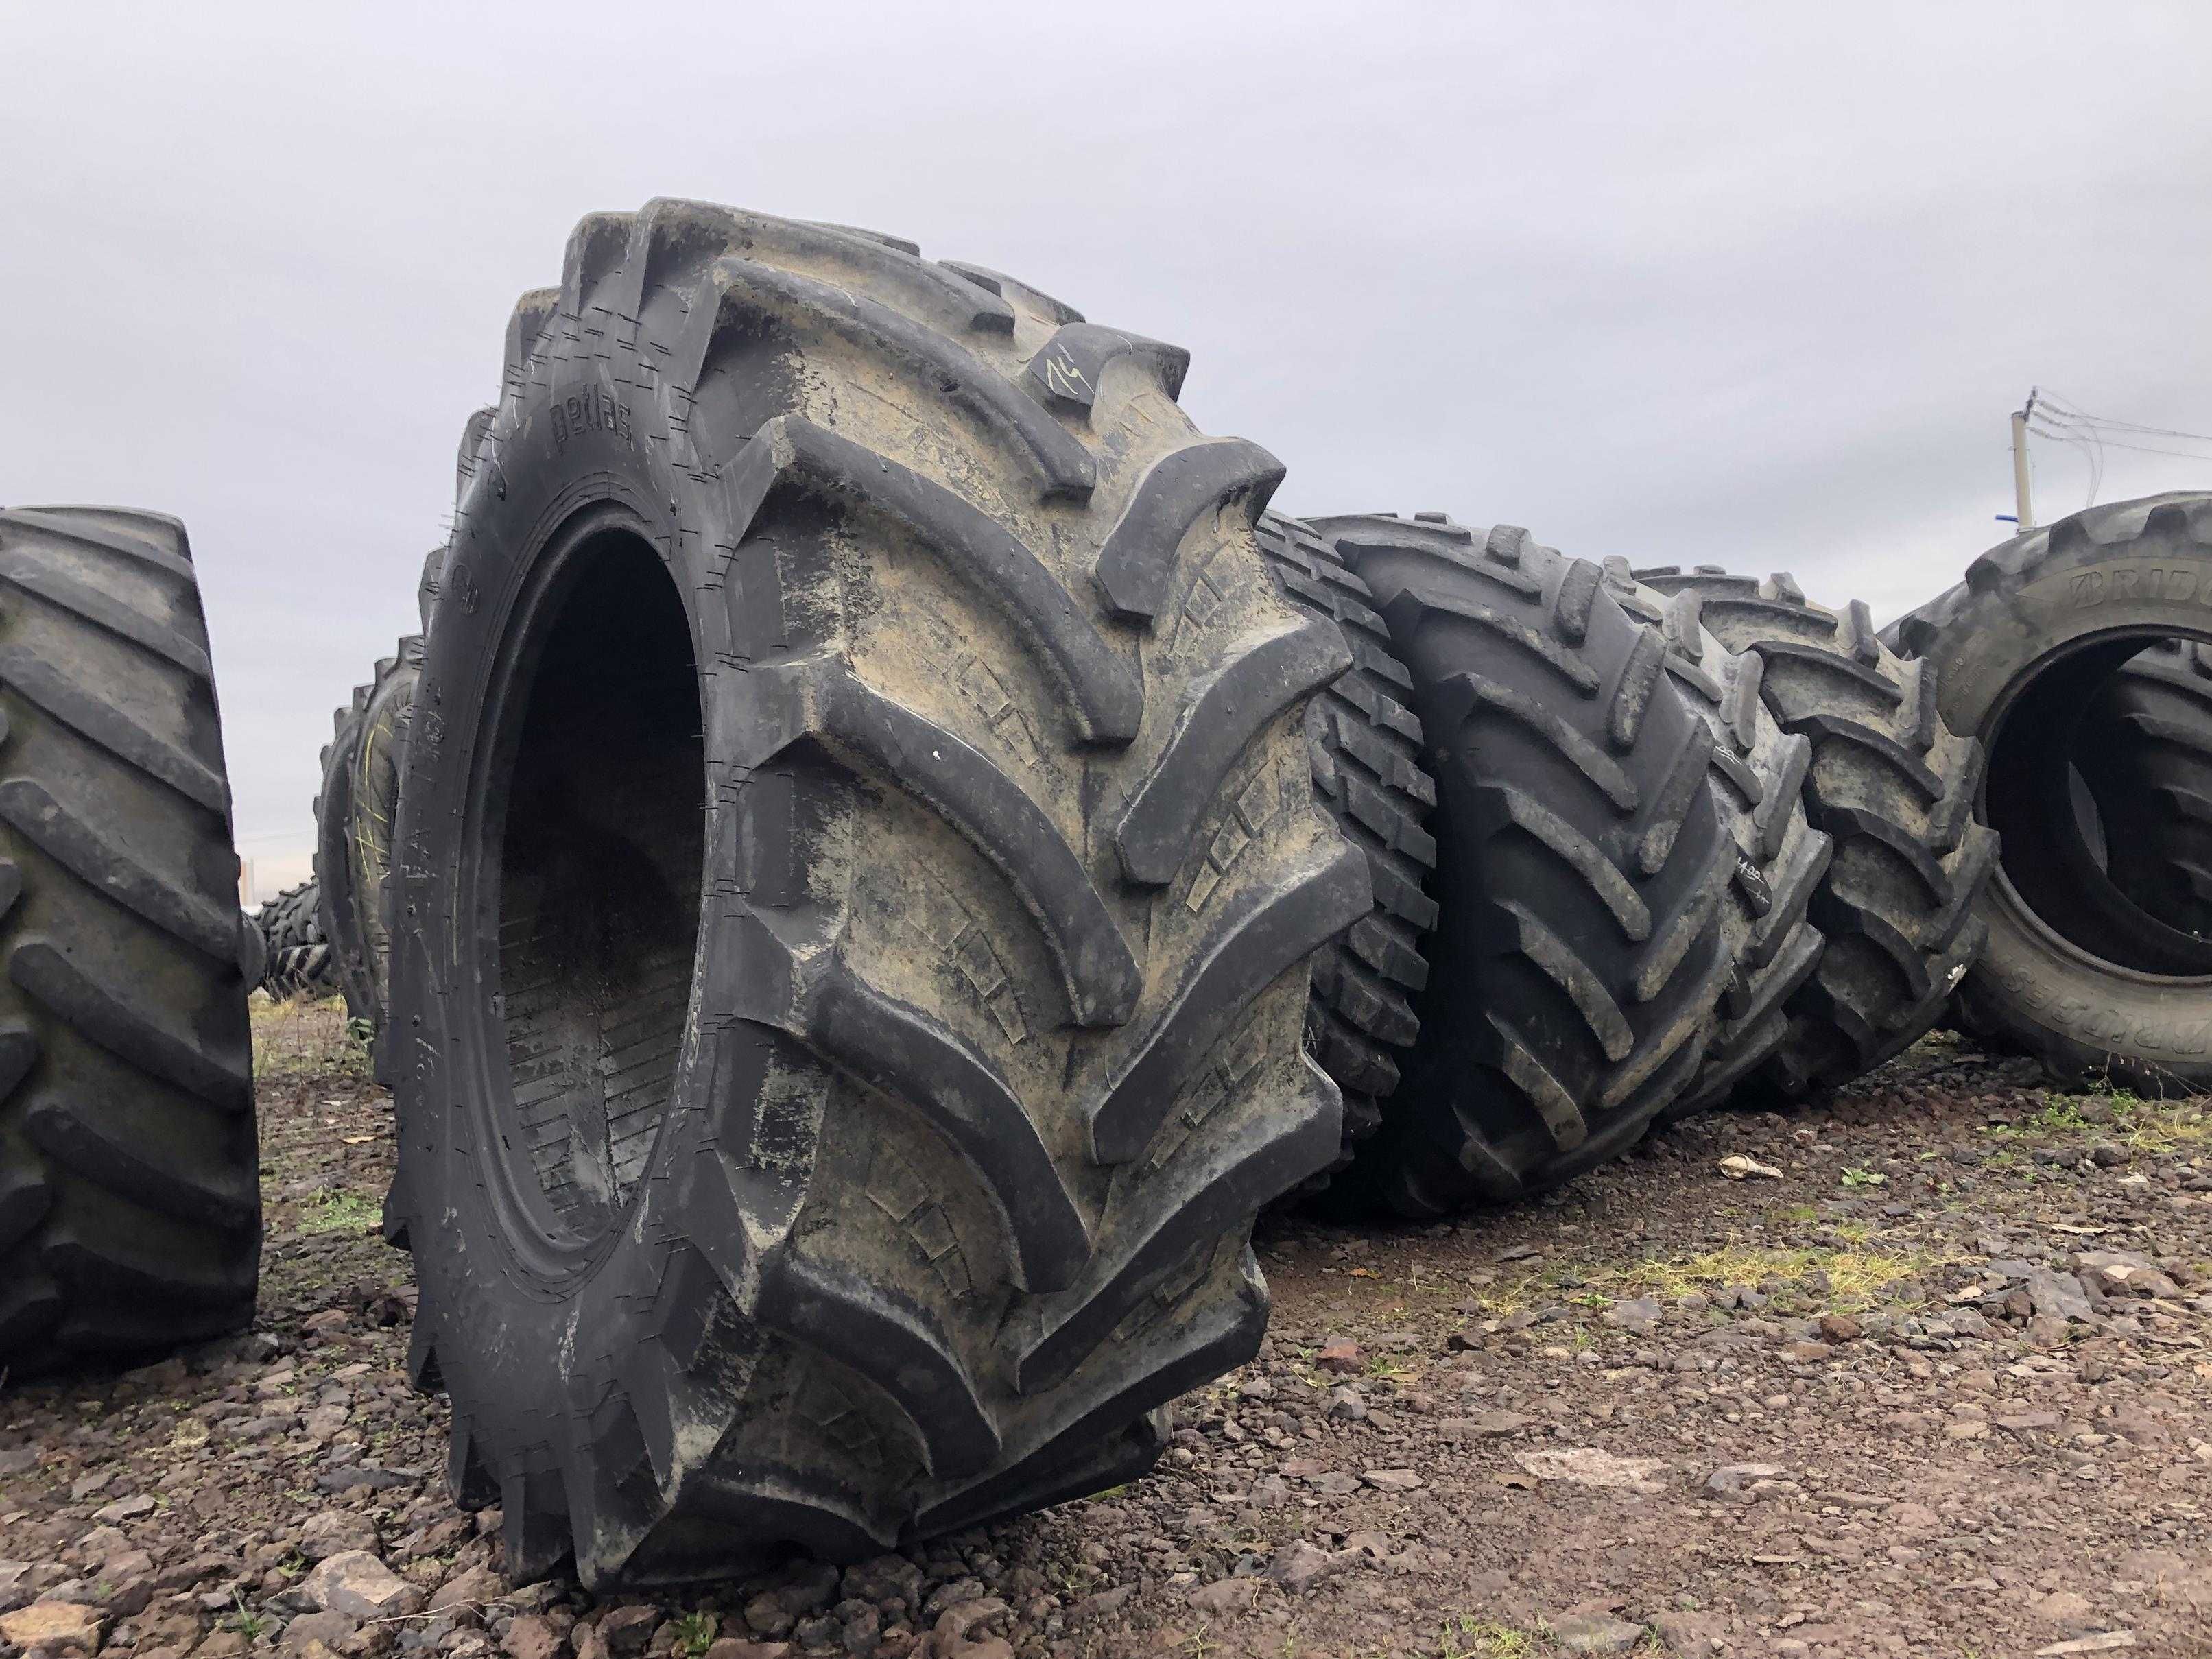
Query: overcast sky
1721, 283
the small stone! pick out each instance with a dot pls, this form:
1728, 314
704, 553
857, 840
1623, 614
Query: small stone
816, 1634
2061, 1608
1299, 1566
765, 1615
53, 1625
731, 1648
331, 1531
532, 1635
1735, 1477
626, 1630
1226, 1596
125, 1509
1840, 1327
1393, 1480
355, 1581
468, 1591
811, 1587
1637, 1311
1588, 1466
1595, 1633
1102, 1602
1484, 1424
1805, 1352
1340, 1355
2056, 1295
328, 1628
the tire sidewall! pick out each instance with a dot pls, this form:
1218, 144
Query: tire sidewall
530, 1327
2083, 1014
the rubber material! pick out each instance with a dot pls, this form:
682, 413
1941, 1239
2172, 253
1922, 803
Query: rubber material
2040, 622
873, 1152
1576, 971
129, 1196
297, 960
2144, 750
354, 816
1365, 744
1894, 790
1759, 776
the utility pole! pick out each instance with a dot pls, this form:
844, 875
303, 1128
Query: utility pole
2023, 510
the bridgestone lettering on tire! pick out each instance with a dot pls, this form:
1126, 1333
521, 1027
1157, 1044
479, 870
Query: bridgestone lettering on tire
354, 817
873, 1152
1893, 788
1579, 967
2025, 646
1366, 746
129, 1196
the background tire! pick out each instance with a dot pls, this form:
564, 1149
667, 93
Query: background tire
912, 1209
130, 1196
2023, 647
1366, 745
1579, 961
1760, 772
296, 958
2145, 754
355, 815
1893, 788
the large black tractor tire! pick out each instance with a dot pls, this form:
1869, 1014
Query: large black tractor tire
859, 873
1365, 744
2144, 751
1759, 771
130, 1196
1893, 788
297, 959
2024, 648
1577, 968
355, 818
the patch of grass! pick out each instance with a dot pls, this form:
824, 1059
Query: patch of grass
1864, 1178
1384, 1368
1858, 1278
295, 1038
695, 1633
1467, 1637
340, 1213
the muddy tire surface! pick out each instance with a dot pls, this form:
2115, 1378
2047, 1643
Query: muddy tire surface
2076, 972
1893, 788
1365, 745
130, 1198
1577, 968
861, 869
354, 816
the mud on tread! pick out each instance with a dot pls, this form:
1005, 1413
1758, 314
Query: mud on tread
1005, 1038
1577, 970
356, 811
1894, 789
1366, 745
129, 1196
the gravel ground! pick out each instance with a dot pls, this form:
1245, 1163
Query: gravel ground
1920, 1371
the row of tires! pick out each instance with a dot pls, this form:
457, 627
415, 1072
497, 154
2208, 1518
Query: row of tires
886, 855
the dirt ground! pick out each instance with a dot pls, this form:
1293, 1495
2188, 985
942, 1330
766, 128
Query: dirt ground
1926, 1374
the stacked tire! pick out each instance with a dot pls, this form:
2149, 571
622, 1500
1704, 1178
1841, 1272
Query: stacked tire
357, 813
295, 954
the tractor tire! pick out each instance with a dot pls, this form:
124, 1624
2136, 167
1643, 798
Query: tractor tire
1365, 744
2023, 649
354, 816
297, 959
1576, 971
130, 1195
1893, 789
1759, 771
2144, 750
860, 875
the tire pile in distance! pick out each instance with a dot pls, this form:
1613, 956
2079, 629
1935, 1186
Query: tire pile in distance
886, 855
